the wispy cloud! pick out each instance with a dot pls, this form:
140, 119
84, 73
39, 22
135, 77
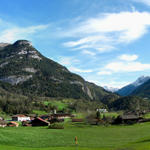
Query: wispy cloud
104, 73
125, 63
127, 66
147, 2
74, 69
10, 32
103, 33
127, 57
87, 52
68, 61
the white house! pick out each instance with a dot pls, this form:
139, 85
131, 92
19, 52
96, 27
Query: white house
20, 118
102, 110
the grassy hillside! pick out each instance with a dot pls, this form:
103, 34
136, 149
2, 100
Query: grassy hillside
135, 137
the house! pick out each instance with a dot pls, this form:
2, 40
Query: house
12, 124
20, 118
3, 123
102, 110
39, 122
61, 115
127, 119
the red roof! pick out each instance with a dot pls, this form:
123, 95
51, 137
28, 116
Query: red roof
19, 115
42, 120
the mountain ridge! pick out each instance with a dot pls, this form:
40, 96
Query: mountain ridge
129, 89
26, 71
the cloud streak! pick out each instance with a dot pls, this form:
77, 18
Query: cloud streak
105, 32
126, 63
10, 32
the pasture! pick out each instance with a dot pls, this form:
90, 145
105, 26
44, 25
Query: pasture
133, 137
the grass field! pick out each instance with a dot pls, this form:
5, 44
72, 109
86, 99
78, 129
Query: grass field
135, 137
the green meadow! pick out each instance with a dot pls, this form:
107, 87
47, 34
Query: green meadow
133, 137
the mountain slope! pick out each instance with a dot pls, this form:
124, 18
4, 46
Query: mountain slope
129, 89
143, 90
131, 103
25, 71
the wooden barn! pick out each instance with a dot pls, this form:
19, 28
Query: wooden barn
127, 119
39, 122
61, 115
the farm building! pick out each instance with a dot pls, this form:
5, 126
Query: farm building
12, 124
61, 116
127, 119
39, 122
102, 110
3, 123
20, 118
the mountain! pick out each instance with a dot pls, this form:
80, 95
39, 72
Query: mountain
129, 89
25, 71
143, 90
110, 89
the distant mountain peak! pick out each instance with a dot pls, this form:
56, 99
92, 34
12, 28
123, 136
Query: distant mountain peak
127, 90
141, 80
110, 89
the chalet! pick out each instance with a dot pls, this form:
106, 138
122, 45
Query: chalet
127, 119
102, 110
39, 122
61, 115
20, 118
3, 123
12, 124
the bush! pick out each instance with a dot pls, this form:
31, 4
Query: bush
56, 126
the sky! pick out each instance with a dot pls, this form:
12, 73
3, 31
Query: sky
105, 41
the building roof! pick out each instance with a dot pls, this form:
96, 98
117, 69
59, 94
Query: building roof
15, 123
130, 117
42, 120
19, 115
61, 115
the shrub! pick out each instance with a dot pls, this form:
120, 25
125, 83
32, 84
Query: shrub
56, 126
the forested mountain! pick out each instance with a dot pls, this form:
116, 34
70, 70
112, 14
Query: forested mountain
25, 71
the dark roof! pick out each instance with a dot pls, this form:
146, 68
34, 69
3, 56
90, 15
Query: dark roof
130, 117
61, 115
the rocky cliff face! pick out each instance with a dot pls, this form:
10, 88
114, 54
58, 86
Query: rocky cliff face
25, 71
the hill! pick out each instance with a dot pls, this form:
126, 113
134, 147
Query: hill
25, 71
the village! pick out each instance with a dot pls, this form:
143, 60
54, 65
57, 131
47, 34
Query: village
101, 117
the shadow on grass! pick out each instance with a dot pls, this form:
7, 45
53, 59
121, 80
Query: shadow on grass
144, 141
125, 149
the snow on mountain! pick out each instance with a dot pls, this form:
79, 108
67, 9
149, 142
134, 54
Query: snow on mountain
110, 89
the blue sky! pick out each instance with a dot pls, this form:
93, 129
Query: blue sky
104, 41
